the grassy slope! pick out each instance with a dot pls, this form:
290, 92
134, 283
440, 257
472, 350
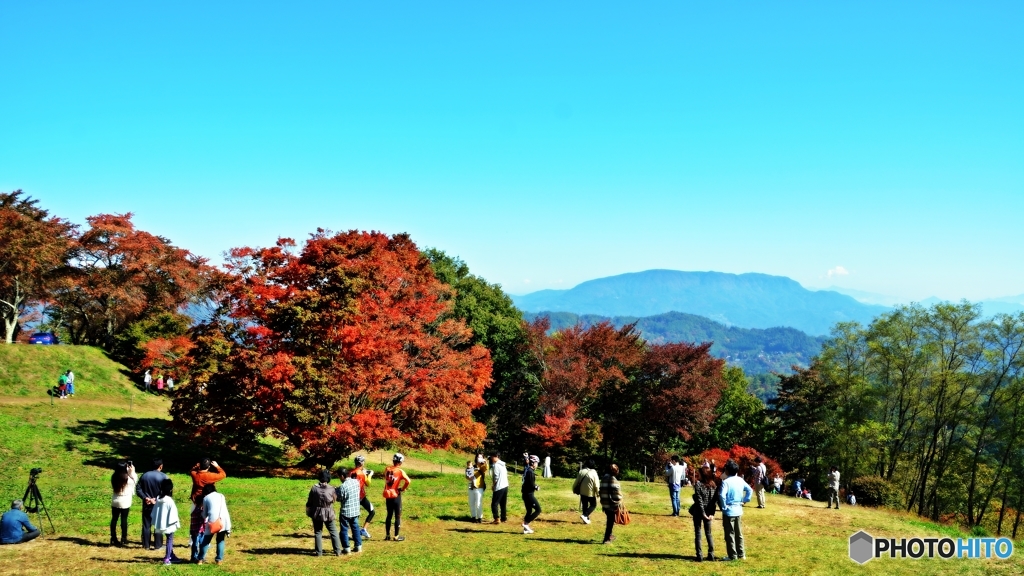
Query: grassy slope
75, 439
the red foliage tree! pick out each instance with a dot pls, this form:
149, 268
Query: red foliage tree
743, 456
167, 356
345, 345
34, 247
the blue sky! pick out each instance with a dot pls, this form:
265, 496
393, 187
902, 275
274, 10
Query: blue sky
545, 145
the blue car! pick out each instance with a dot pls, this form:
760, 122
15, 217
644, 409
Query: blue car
43, 338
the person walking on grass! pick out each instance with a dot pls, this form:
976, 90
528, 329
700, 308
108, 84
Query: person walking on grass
320, 509
149, 491
363, 476
396, 481
216, 523
732, 496
123, 482
164, 519
476, 475
587, 485
611, 500
499, 489
348, 496
530, 489
674, 474
705, 499
15, 527
833, 486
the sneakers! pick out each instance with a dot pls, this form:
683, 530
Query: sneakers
388, 537
527, 529
399, 538
364, 534
585, 519
357, 549
344, 551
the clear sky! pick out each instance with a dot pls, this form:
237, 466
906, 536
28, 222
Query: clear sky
545, 143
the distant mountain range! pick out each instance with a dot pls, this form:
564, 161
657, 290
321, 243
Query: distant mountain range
742, 300
990, 306
757, 351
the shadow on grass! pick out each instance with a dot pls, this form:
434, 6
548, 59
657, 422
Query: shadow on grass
82, 542
136, 560
650, 556
474, 531
282, 551
294, 535
565, 540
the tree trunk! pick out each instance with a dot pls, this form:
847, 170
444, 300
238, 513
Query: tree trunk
1002, 511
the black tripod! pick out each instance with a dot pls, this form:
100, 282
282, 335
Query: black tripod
34, 500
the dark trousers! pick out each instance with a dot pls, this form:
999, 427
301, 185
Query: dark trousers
499, 500
318, 538
589, 505
732, 531
532, 507
698, 523
370, 510
609, 524
26, 536
121, 513
148, 535
394, 506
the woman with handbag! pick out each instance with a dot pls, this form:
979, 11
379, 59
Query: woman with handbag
611, 502
216, 523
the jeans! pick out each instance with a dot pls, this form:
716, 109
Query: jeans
732, 531
532, 507
26, 536
169, 554
352, 523
207, 538
698, 523
318, 539
673, 493
394, 506
148, 534
476, 503
609, 524
589, 505
499, 500
121, 513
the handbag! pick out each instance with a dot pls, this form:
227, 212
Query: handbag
621, 515
215, 526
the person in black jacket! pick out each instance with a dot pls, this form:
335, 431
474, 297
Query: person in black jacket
530, 492
705, 496
148, 489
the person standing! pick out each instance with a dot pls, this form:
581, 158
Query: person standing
320, 508
396, 481
733, 495
777, 483
62, 386
674, 474
547, 467
833, 487
203, 473
216, 523
363, 476
15, 527
70, 383
587, 485
530, 489
611, 499
499, 489
476, 475
147, 379
170, 384
705, 499
348, 495
164, 518
149, 491
123, 482
159, 384
756, 480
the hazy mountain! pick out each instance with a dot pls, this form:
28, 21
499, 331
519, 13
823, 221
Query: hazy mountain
868, 297
745, 300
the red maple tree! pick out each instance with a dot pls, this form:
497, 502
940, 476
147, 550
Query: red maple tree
344, 345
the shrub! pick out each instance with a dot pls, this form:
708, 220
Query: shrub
875, 491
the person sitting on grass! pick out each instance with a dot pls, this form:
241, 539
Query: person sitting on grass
164, 518
348, 496
396, 481
320, 508
611, 499
15, 527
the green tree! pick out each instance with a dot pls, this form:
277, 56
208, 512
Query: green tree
742, 418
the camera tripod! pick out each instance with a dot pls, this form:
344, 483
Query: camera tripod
33, 500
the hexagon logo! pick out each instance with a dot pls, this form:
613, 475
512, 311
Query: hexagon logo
862, 547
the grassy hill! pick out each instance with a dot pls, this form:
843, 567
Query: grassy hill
75, 441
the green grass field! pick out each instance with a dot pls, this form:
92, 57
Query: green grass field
75, 441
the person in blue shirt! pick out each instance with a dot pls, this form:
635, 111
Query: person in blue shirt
734, 494
15, 527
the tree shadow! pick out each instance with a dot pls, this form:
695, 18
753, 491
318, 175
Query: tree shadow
282, 551
650, 556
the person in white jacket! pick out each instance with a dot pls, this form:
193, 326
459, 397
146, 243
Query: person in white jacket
165, 518
122, 481
216, 523
499, 489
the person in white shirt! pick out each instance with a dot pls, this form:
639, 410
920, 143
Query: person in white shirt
123, 483
499, 489
833, 487
674, 474
147, 379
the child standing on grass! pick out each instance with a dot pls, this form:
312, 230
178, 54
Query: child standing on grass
165, 518
396, 481
530, 492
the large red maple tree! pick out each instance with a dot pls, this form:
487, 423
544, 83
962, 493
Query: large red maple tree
343, 345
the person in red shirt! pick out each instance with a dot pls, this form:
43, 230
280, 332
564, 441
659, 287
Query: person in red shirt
396, 481
205, 472
363, 475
